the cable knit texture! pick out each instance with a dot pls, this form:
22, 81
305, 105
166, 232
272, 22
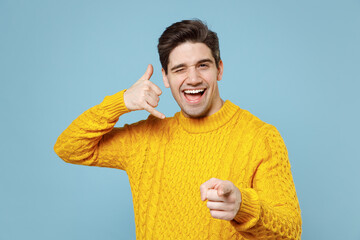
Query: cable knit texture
167, 161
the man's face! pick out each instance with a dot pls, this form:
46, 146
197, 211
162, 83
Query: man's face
192, 77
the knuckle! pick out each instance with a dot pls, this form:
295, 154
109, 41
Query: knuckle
143, 106
214, 215
146, 86
142, 95
142, 101
231, 208
232, 198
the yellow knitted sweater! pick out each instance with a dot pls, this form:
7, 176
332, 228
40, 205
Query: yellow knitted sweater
167, 161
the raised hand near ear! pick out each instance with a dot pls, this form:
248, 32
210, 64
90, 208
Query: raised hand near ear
144, 95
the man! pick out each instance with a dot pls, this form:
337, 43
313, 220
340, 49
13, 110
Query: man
212, 171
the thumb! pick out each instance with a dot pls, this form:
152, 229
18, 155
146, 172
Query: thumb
148, 73
224, 189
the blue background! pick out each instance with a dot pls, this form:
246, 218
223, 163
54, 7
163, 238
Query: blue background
294, 64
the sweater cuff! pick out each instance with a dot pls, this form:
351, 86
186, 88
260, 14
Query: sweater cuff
249, 212
114, 105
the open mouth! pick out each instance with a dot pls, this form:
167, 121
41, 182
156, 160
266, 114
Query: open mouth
194, 95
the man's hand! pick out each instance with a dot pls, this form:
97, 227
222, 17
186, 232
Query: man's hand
144, 95
223, 197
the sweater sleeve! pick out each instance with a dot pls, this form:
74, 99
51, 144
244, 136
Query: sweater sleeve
270, 208
91, 139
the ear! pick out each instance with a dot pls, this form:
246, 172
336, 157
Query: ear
220, 70
165, 79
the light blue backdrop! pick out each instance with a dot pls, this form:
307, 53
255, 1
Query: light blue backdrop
294, 64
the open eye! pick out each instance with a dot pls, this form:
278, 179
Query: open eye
203, 65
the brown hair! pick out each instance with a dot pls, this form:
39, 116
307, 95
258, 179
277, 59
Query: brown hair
187, 31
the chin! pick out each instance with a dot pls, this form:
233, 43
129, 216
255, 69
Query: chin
195, 113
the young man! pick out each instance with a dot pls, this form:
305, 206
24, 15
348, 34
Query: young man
212, 171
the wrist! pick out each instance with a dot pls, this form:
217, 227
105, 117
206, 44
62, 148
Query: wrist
249, 211
114, 105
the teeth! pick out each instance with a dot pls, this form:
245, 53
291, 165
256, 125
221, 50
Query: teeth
194, 91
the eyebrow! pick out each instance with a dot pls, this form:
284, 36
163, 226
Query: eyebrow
206, 60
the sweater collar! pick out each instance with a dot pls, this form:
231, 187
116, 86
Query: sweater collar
207, 124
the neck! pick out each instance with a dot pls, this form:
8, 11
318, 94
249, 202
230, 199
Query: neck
210, 122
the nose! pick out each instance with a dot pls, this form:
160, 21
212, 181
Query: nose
193, 76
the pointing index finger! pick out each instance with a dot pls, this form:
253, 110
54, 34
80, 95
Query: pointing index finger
209, 184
